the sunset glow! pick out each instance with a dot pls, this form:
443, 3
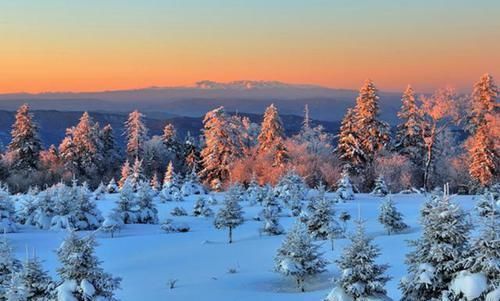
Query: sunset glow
100, 45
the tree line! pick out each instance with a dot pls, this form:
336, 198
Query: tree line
422, 151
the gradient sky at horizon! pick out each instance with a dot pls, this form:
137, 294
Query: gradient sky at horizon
106, 45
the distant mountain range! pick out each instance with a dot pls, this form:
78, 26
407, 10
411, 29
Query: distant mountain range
244, 96
53, 124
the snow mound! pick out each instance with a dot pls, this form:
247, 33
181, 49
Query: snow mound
471, 285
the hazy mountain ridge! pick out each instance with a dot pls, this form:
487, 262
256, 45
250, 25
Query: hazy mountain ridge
242, 96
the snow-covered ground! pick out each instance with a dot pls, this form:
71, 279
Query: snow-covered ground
208, 268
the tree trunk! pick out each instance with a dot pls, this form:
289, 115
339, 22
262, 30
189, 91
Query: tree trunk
429, 143
230, 235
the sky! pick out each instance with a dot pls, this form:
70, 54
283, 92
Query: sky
108, 45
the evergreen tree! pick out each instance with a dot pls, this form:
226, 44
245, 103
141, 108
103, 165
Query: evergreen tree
230, 215
437, 254
83, 278
291, 190
361, 277
36, 282
483, 156
81, 150
25, 145
344, 187
484, 255
147, 212
137, 134
349, 144
299, 257
137, 174
321, 222
270, 217
110, 152
126, 204
281, 156
192, 184
155, 183
8, 266
390, 217
486, 206
201, 208
272, 132
483, 102
112, 223
126, 172
409, 139
380, 188
222, 147
7, 211
171, 185
373, 133
173, 146
112, 187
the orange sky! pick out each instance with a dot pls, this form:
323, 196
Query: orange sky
98, 45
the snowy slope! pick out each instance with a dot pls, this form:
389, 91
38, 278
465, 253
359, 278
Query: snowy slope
146, 258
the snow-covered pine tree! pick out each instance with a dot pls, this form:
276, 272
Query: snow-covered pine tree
171, 185
99, 191
270, 217
320, 221
255, 193
25, 145
110, 152
281, 156
146, 212
86, 215
15, 290
380, 188
349, 145
137, 134
173, 146
112, 223
483, 102
82, 276
192, 184
171, 179
390, 217
230, 215
299, 257
436, 256
201, 208
483, 157
484, 256
487, 206
373, 133
7, 211
409, 140
361, 277
344, 187
127, 203
126, 172
272, 131
155, 183
137, 174
291, 190
222, 148
8, 266
112, 187
35, 281
82, 150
